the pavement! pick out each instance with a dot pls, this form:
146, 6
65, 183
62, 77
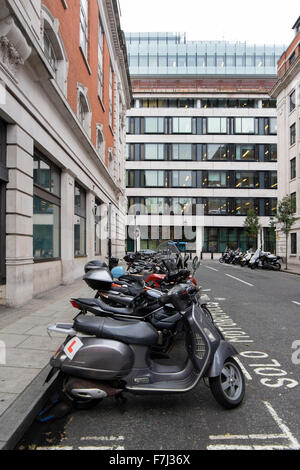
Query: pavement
27, 350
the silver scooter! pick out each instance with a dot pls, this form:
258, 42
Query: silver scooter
111, 356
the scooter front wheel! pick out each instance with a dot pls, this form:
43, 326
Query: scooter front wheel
229, 387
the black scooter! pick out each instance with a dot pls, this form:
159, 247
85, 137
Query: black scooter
115, 357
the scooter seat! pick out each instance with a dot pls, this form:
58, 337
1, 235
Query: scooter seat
129, 332
94, 304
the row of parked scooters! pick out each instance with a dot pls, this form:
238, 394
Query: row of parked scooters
121, 338
252, 259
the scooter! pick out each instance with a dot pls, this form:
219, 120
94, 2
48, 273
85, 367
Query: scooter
113, 357
265, 260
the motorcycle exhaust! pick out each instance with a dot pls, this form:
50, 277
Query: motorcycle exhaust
87, 389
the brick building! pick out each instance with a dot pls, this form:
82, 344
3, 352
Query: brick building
64, 93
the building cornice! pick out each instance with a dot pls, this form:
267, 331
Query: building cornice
286, 79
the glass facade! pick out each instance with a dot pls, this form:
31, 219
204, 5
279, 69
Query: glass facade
46, 209
172, 54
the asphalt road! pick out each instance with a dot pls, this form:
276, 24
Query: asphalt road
259, 313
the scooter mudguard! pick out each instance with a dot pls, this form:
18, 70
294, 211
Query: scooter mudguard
224, 351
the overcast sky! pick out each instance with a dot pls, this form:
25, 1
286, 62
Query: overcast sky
253, 21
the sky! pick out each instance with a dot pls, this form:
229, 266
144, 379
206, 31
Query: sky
254, 21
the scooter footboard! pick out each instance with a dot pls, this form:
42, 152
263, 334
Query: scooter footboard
224, 351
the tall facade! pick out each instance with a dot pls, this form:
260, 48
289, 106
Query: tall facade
64, 93
287, 93
201, 142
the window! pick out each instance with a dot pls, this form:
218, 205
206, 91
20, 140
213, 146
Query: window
217, 152
293, 243
54, 49
79, 221
83, 108
182, 152
294, 201
100, 60
270, 153
49, 51
216, 179
292, 100
97, 227
245, 152
244, 125
182, 125
182, 179
293, 134
110, 97
100, 141
154, 178
83, 36
46, 209
293, 168
154, 151
154, 125
246, 180
3, 181
216, 125
270, 126
216, 207
242, 206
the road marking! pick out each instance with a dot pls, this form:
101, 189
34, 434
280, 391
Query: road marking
208, 267
294, 302
55, 448
294, 443
102, 438
237, 279
246, 373
285, 434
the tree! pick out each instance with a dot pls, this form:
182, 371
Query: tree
251, 225
285, 218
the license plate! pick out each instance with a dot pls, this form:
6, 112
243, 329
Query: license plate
72, 347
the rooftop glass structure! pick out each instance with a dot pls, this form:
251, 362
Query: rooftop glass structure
168, 54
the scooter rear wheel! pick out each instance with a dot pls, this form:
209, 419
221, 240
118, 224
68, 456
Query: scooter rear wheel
228, 388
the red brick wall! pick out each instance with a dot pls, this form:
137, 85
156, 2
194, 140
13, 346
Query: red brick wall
283, 63
78, 70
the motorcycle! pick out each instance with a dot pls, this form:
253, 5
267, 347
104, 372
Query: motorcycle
265, 260
113, 357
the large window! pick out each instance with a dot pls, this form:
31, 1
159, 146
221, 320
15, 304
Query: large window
244, 125
153, 178
244, 205
154, 125
216, 125
154, 151
79, 221
3, 181
245, 152
217, 152
182, 125
182, 179
216, 179
246, 179
46, 209
216, 207
84, 26
182, 152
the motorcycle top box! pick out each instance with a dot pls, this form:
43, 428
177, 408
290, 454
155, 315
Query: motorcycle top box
99, 279
94, 265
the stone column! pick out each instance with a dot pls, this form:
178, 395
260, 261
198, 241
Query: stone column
67, 226
19, 218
